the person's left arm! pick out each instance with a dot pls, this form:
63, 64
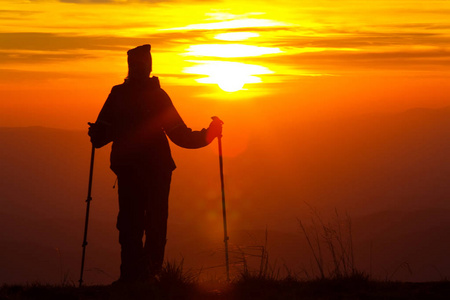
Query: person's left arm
182, 135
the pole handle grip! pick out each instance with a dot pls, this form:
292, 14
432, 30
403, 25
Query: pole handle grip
214, 118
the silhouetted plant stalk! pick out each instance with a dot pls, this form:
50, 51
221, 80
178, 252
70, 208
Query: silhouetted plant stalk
174, 272
265, 271
404, 265
336, 237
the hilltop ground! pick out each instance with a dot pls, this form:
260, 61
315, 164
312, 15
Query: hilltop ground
250, 289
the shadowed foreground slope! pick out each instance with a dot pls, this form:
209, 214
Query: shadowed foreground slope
282, 290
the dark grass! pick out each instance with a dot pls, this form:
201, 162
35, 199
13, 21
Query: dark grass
157, 290
250, 288
342, 281
338, 288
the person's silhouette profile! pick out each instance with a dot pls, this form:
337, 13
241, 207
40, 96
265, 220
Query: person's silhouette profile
137, 117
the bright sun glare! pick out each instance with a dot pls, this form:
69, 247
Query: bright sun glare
230, 50
229, 76
236, 36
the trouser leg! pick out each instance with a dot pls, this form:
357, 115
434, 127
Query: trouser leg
156, 221
143, 207
130, 223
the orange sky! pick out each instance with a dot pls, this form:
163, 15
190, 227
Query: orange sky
268, 69
59, 59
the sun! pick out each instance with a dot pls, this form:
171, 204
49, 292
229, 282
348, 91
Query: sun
230, 85
229, 76
230, 79
224, 68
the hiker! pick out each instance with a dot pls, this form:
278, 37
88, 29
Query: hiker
137, 116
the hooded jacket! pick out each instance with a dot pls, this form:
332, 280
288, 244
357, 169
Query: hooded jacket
137, 117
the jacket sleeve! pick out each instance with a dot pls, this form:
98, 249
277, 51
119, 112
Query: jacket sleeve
177, 130
101, 132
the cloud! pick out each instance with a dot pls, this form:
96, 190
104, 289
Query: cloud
58, 42
397, 46
14, 76
127, 1
39, 57
6, 14
88, 1
421, 10
365, 40
379, 36
377, 46
338, 62
34, 47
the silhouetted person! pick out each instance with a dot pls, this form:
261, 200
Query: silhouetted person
136, 117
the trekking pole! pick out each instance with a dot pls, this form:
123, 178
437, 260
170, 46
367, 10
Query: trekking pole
224, 211
86, 221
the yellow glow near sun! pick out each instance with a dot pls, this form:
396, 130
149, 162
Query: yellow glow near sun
241, 23
236, 36
229, 76
230, 50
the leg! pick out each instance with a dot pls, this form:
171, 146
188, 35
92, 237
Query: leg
157, 210
130, 223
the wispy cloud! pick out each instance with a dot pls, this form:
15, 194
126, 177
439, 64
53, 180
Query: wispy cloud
127, 1
27, 76
344, 63
39, 57
61, 42
6, 14
363, 40
89, 1
326, 37
56, 42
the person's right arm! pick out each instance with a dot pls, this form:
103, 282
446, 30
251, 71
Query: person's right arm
101, 132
